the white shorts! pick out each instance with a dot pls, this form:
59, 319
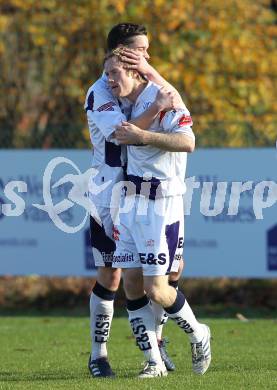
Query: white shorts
151, 235
101, 238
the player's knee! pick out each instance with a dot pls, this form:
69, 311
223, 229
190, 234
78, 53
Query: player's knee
154, 293
157, 288
109, 278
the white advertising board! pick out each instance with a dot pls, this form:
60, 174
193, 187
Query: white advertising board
227, 234
239, 245
31, 243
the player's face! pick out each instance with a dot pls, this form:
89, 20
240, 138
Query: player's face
141, 44
120, 80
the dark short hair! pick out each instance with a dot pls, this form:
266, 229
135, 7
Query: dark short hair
123, 33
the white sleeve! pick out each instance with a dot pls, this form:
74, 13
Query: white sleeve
103, 111
178, 121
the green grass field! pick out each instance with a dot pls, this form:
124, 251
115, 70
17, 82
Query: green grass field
39, 352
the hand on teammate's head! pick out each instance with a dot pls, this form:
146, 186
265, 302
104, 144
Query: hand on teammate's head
134, 60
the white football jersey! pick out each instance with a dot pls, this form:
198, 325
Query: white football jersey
164, 169
104, 112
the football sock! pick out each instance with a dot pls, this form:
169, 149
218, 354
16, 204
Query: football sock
182, 314
101, 314
142, 320
160, 318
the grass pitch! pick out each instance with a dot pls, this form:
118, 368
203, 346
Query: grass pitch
52, 353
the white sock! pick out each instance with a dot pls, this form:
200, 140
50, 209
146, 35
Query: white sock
143, 325
160, 318
101, 314
182, 314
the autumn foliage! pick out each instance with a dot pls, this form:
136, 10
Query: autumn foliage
220, 55
214, 295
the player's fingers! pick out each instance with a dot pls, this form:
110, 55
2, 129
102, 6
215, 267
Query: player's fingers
130, 66
118, 131
120, 136
125, 48
128, 51
130, 56
129, 60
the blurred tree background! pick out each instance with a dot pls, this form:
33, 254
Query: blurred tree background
221, 57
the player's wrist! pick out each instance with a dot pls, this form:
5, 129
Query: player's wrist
147, 138
149, 72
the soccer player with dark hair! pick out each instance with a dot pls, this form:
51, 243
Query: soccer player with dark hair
123, 34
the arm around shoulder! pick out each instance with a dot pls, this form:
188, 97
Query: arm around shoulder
171, 142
